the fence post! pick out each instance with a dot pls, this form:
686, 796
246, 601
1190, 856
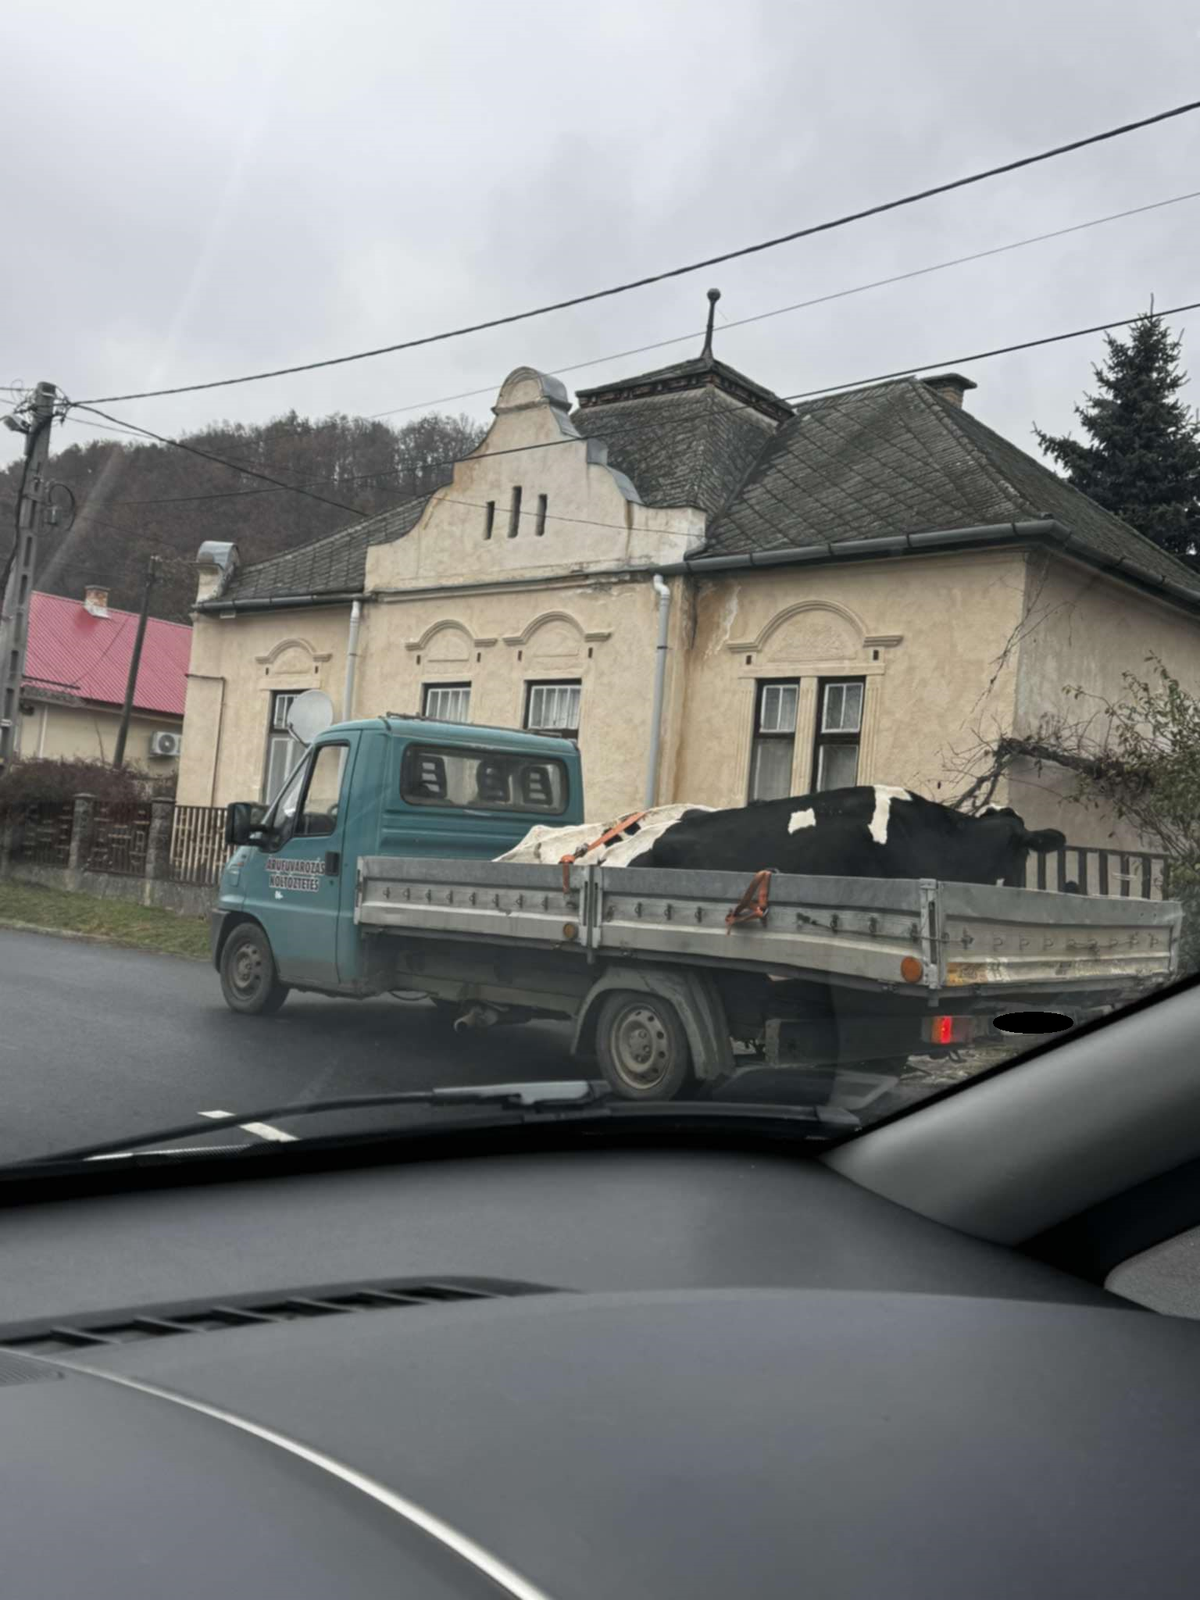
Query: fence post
158, 840
83, 824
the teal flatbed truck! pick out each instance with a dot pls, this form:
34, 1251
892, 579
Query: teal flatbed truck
374, 872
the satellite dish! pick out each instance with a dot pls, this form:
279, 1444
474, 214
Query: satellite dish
311, 714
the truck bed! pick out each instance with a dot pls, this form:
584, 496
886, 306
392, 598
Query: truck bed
969, 939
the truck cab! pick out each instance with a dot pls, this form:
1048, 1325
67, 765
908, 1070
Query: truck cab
390, 785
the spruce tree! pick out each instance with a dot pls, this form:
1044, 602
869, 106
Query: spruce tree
1143, 459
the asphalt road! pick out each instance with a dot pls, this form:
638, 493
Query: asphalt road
99, 1043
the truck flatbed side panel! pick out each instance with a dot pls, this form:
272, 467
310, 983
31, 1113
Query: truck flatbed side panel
967, 937
1003, 936
860, 929
471, 899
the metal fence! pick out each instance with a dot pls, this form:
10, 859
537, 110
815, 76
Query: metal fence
120, 836
1091, 869
198, 849
43, 834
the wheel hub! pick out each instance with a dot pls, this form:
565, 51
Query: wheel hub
247, 968
642, 1047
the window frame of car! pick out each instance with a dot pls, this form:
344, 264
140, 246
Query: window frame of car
416, 748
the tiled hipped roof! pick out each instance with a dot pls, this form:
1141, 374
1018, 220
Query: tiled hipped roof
897, 458
336, 564
894, 458
684, 449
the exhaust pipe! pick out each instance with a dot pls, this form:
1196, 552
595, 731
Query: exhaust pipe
476, 1017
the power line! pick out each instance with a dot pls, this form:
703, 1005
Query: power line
983, 355
800, 305
102, 427
671, 272
659, 344
358, 477
817, 300
207, 455
804, 394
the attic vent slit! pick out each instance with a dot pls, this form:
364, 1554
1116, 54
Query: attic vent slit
489, 521
540, 528
514, 514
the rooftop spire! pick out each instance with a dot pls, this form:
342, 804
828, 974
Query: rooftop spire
713, 296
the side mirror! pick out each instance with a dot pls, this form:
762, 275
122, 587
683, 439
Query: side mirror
242, 821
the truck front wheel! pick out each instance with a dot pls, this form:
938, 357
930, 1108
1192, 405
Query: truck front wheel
641, 1046
249, 978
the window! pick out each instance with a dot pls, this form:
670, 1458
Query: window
319, 808
489, 520
553, 708
447, 702
774, 744
514, 512
283, 751
489, 780
540, 525
839, 731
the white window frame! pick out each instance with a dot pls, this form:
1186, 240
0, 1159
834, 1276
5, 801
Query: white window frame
457, 696
845, 734
551, 702
771, 725
283, 748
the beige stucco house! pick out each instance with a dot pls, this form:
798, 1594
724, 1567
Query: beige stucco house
848, 590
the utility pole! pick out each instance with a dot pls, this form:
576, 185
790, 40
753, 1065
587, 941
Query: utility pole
135, 662
16, 583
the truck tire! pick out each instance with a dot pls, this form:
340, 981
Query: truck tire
249, 979
641, 1046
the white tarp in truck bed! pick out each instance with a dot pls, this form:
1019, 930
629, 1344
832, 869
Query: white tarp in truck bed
546, 846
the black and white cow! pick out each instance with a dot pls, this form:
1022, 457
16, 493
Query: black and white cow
866, 832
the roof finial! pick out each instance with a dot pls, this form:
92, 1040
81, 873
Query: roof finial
713, 296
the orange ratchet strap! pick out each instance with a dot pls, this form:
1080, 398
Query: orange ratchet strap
754, 904
615, 832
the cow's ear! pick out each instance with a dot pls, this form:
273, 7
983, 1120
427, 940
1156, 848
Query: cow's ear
1045, 840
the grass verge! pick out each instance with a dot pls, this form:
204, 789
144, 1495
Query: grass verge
140, 927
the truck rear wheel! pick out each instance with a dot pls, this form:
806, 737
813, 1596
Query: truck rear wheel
249, 978
641, 1046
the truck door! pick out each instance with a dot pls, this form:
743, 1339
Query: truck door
297, 890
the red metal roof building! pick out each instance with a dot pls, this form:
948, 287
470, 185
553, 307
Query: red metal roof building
84, 652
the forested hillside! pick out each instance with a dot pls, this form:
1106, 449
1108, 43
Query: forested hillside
132, 499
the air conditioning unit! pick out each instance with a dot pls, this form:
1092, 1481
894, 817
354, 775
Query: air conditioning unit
165, 744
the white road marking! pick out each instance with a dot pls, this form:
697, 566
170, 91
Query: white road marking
504, 1576
802, 819
264, 1130
883, 808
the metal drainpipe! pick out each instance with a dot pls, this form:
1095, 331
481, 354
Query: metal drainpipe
660, 672
351, 659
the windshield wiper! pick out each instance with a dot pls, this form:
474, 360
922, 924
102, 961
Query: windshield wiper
567, 1095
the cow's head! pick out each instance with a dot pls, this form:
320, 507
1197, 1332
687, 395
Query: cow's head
1005, 841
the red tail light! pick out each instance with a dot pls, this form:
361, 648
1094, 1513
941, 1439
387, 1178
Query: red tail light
949, 1030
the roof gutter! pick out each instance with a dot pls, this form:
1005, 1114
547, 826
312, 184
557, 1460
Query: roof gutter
282, 602
1040, 530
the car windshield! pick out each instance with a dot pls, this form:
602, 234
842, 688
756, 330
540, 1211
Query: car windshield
663, 557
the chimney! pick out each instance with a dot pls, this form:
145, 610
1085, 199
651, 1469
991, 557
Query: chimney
950, 386
216, 563
95, 599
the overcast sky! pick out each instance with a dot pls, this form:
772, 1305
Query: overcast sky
201, 190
